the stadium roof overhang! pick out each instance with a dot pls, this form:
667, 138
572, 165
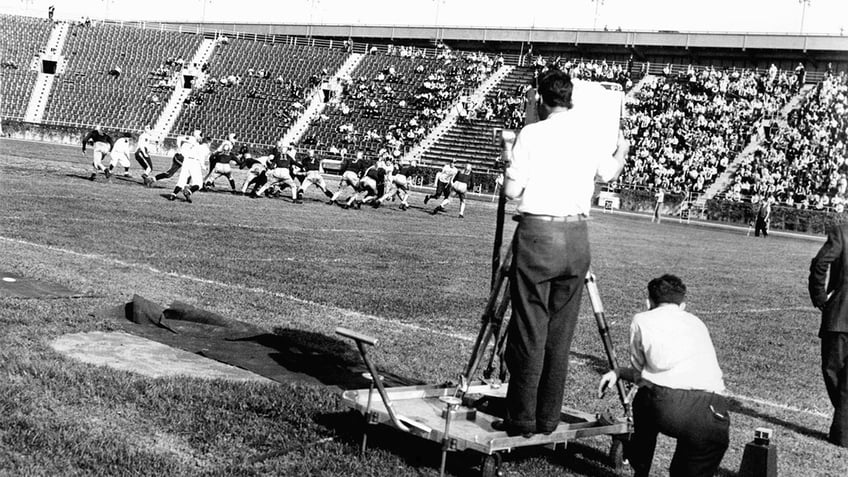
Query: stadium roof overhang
627, 39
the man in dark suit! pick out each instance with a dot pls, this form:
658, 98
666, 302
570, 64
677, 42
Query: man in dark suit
830, 295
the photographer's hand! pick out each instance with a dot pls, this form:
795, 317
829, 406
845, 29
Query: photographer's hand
608, 380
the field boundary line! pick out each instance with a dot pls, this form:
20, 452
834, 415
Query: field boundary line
302, 301
785, 407
343, 311
248, 226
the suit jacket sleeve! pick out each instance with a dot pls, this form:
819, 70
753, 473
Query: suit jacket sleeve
828, 254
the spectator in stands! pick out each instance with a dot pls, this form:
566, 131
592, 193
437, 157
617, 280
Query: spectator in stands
50, 11
115, 72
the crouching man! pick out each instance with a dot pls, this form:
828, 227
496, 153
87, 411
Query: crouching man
680, 386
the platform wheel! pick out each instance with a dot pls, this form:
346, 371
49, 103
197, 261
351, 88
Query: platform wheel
491, 465
616, 455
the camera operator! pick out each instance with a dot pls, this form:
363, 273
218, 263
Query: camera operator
553, 172
680, 386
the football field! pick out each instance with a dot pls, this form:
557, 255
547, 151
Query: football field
416, 281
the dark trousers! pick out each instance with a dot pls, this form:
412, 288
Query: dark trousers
144, 161
176, 164
442, 190
699, 420
760, 226
550, 261
834, 347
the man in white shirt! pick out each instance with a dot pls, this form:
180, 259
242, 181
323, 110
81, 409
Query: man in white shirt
553, 172
680, 385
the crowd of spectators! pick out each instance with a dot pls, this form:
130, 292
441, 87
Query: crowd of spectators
802, 163
404, 107
686, 128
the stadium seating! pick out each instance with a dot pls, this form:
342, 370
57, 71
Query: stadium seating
88, 94
26, 38
256, 89
391, 102
802, 161
686, 129
470, 140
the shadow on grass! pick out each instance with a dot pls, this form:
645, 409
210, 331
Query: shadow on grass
598, 364
739, 407
299, 354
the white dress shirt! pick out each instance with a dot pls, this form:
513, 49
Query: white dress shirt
672, 348
556, 160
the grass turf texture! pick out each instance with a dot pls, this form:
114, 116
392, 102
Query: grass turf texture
415, 281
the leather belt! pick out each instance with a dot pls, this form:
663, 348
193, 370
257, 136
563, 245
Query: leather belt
551, 218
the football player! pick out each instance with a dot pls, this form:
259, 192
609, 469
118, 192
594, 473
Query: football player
102, 143
314, 175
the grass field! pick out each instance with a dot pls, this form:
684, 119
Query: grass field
416, 281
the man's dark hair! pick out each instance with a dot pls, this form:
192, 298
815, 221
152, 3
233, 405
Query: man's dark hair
555, 87
667, 289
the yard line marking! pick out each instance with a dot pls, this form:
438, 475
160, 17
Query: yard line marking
302, 301
346, 312
760, 310
785, 407
101, 220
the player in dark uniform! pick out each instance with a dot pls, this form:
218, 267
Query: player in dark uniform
280, 172
400, 184
222, 163
314, 175
103, 144
463, 181
351, 171
367, 187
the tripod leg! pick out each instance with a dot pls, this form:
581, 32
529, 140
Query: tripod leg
603, 329
490, 317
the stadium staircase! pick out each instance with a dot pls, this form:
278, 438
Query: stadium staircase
174, 105
471, 142
634, 91
44, 82
449, 123
723, 180
316, 102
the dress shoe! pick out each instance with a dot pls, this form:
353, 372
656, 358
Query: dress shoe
510, 430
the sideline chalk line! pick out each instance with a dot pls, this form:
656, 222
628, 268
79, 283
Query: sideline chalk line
344, 311
246, 226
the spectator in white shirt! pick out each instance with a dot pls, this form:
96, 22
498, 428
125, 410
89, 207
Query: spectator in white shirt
680, 385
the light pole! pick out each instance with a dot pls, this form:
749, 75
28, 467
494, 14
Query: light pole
598, 4
312, 4
108, 2
804, 4
203, 13
439, 4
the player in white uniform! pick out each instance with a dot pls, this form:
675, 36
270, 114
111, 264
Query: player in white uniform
195, 153
120, 154
142, 156
443, 181
461, 184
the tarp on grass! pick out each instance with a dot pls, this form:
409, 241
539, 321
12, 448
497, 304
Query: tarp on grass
285, 355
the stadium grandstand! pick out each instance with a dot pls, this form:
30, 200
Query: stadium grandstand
732, 116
